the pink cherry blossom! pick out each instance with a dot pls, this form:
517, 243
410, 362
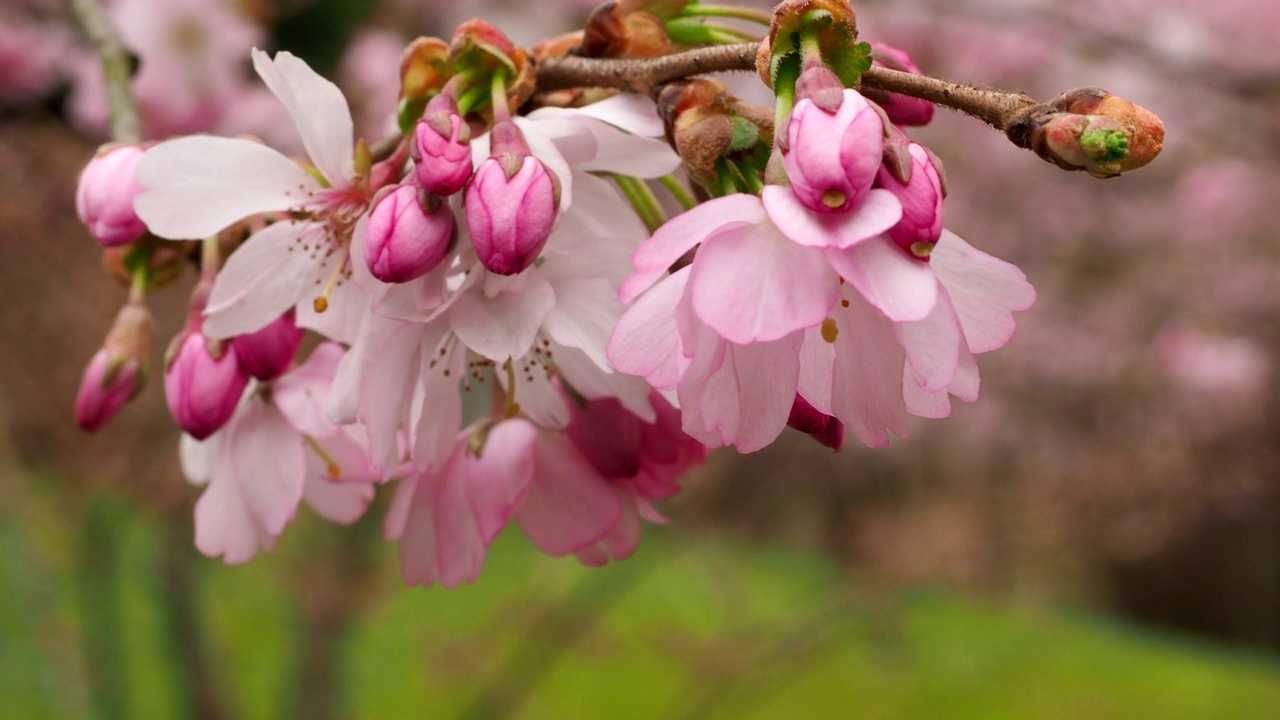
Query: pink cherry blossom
196, 186
277, 450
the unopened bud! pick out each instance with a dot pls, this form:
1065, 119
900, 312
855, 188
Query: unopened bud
442, 147
267, 353
921, 198
827, 430
118, 370
901, 109
511, 205
832, 159
615, 31
405, 239
104, 196
1142, 129
203, 383
608, 436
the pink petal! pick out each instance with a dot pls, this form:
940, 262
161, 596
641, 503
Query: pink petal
751, 284
318, 109
440, 541
268, 275
620, 543
499, 477
817, 357
682, 233
902, 288
267, 459
568, 506
741, 394
646, 341
337, 501
877, 213
866, 385
984, 289
933, 345
195, 186
225, 526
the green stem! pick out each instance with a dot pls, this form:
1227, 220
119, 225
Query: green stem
498, 96
210, 258
125, 125
727, 11
643, 200
726, 35
141, 281
679, 192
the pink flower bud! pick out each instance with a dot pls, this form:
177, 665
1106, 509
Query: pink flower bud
824, 428
267, 353
511, 204
118, 371
608, 436
832, 158
203, 383
104, 197
921, 199
901, 109
442, 147
405, 240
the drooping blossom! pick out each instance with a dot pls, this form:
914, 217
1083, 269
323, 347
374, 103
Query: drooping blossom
277, 450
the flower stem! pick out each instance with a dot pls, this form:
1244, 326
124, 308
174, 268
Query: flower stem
679, 192
728, 11
125, 125
643, 200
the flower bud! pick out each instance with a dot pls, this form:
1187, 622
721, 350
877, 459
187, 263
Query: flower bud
267, 353
832, 158
901, 109
203, 383
827, 430
118, 371
406, 237
608, 436
921, 198
442, 147
511, 204
104, 197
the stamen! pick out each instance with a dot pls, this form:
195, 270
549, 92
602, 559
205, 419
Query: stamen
333, 468
321, 303
512, 407
830, 330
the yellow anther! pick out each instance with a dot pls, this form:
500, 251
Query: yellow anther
830, 330
921, 249
834, 198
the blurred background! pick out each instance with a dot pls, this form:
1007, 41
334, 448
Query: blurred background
1097, 537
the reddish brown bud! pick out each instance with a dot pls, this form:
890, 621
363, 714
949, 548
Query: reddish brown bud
1143, 130
424, 67
615, 32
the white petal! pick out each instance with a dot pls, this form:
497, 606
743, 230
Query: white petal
505, 326
318, 109
636, 114
195, 186
261, 280
986, 290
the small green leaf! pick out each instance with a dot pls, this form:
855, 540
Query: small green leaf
745, 134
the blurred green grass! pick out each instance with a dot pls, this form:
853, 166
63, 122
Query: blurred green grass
696, 627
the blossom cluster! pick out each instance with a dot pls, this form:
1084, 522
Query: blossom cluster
509, 329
